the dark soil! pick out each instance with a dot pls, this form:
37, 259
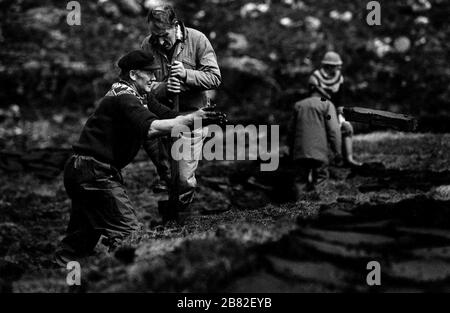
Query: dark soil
243, 237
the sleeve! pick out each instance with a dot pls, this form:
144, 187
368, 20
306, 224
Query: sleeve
135, 113
160, 110
207, 74
332, 128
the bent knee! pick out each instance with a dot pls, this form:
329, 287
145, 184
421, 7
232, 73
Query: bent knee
346, 129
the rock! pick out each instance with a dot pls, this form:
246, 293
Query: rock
369, 227
109, 9
433, 253
321, 272
349, 238
420, 271
130, 7
434, 234
441, 193
246, 64
44, 17
44, 191
346, 199
149, 4
238, 42
335, 250
312, 23
216, 183
335, 212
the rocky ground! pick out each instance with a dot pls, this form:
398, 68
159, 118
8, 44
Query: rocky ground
248, 234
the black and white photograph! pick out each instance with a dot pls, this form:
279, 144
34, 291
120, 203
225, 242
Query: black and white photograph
224, 152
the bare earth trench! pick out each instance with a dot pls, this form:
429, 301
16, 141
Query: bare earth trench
248, 235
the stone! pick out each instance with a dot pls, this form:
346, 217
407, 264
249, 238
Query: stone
319, 272
131, 7
238, 42
441, 193
349, 238
442, 234
420, 271
433, 253
336, 250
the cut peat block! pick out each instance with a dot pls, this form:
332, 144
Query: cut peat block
380, 118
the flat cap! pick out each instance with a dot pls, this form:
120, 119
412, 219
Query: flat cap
137, 60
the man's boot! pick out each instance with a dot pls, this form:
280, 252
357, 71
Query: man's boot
169, 212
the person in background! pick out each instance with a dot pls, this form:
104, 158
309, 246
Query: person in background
188, 64
110, 139
313, 131
328, 79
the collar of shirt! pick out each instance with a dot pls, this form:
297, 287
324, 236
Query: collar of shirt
124, 87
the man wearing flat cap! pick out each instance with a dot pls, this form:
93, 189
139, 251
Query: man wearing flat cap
109, 141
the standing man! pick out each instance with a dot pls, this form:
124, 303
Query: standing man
187, 63
109, 141
328, 80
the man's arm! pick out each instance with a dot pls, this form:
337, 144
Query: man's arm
201, 117
164, 127
207, 73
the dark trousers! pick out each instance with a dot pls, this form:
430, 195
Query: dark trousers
309, 173
157, 150
100, 206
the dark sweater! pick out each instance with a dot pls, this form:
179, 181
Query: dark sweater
117, 129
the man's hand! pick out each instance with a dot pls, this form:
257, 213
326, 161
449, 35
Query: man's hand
177, 70
203, 117
173, 85
208, 116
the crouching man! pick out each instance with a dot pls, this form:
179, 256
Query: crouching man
314, 130
109, 141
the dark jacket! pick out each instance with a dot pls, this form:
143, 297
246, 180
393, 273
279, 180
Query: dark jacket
315, 129
200, 61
